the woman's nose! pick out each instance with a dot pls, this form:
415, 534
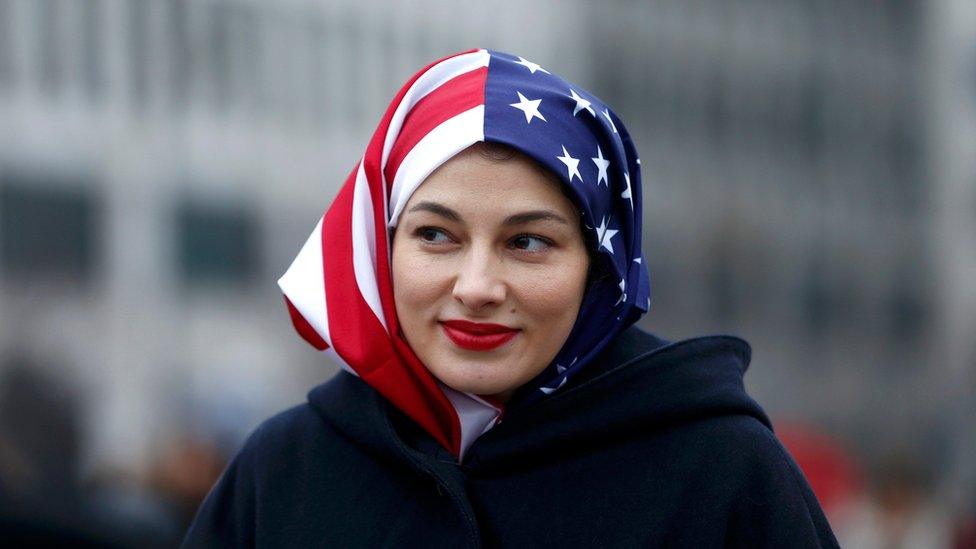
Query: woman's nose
478, 284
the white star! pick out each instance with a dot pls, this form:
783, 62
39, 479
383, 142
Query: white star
529, 107
550, 390
531, 66
638, 161
572, 165
637, 260
581, 104
623, 292
601, 164
626, 193
560, 368
604, 234
606, 113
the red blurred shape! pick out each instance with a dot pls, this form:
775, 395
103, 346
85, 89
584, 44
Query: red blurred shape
830, 469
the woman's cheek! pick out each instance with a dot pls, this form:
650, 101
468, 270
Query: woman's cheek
551, 291
420, 281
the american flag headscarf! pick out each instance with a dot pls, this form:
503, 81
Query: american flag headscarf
339, 289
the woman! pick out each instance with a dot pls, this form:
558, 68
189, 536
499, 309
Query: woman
477, 279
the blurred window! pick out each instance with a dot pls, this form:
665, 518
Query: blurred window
180, 56
262, 64
46, 230
318, 58
718, 113
217, 243
139, 51
93, 52
901, 18
904, 158
47, 15
815, 294
351, 108
6, 43
220, 55
906, 306
721, 281
812, 131
248, 55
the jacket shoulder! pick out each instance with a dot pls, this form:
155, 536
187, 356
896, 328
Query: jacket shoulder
298, 425
270, 463
772, 504
745, 447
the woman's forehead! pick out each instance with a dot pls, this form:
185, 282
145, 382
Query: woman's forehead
472, 182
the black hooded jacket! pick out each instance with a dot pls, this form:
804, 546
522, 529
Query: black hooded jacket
659, 446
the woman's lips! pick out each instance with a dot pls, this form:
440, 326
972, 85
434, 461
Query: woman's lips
477, 336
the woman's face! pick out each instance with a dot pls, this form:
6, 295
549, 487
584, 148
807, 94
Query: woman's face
489, 269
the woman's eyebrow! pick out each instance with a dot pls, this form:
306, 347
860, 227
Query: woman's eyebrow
520, 218
437, 209
534, 215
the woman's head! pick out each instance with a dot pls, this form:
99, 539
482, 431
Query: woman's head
398, 312
489, 268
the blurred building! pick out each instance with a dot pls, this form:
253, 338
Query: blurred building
793, 132
951, 63
813, 188
160, 165
809, 186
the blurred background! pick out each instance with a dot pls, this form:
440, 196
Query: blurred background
810, 185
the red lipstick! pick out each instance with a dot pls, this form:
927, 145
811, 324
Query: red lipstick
478, 336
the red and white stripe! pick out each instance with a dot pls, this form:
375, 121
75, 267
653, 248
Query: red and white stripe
338, 289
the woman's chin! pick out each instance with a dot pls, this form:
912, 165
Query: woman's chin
478, 386
481, 389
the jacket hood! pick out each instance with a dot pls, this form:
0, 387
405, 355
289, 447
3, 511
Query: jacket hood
644, 384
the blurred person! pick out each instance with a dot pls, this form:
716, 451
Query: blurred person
964, 531
834, 473
477, 279
899, 510
40, 433
964, 528
43, 501
39, 439
183, 472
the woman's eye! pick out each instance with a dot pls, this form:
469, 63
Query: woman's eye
530, 243
432, 235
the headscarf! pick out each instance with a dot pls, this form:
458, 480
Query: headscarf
339, 289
